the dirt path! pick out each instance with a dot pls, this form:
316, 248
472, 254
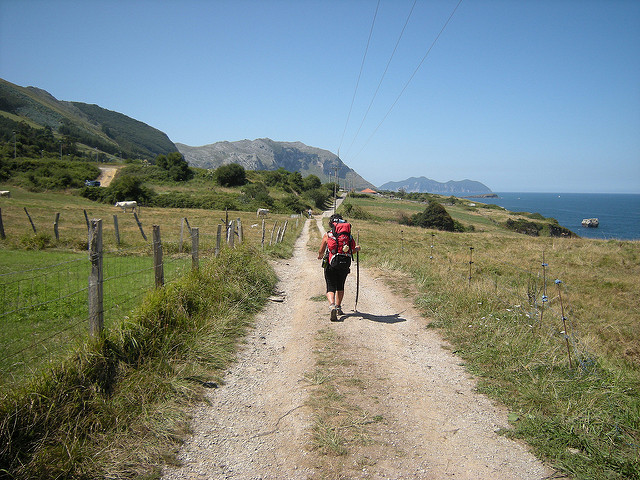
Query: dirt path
106, 175
429, 421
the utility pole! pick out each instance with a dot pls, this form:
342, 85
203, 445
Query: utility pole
335, 191
14, 145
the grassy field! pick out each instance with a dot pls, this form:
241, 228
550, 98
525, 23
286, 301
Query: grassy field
564, 357
44, 282
486, 290
73, 408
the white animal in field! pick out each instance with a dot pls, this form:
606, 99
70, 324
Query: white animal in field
5, 193
262, 212
132, 204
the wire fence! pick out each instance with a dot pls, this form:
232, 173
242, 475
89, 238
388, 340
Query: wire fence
529, 293
45, 311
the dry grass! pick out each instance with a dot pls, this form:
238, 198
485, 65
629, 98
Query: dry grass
73, 229
484, 291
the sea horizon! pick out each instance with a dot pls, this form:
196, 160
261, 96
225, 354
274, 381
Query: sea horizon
618, 213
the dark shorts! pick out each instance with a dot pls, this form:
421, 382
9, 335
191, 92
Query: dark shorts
335, 279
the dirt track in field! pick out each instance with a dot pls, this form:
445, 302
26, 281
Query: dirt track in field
106, 176
430, 423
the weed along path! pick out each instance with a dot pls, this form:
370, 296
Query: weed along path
373, 396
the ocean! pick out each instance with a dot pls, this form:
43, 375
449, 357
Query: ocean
619, 214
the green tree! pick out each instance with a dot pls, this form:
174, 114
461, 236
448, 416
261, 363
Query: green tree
128, 188
176, 166
231, 175
434, 216
311, 182
258, 192
295, 181
276, 178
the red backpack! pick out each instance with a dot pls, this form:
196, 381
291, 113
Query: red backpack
340, 245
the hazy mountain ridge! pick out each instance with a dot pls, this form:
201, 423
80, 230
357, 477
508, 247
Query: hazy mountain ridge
92, 125
267, 154
427, 185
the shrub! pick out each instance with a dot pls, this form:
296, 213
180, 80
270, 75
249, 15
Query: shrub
524, 226
319, 197
355, 211
434, 216
128, 188
36, 242
176, 166
231, 175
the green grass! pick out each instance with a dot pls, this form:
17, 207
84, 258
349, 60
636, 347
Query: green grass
117, 407
43, 304
583, 418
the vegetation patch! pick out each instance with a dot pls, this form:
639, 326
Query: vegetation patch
132, 386
570, 383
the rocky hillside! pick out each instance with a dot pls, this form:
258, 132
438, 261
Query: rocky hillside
426, 185
266, 154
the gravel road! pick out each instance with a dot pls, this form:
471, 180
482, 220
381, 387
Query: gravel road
259, 424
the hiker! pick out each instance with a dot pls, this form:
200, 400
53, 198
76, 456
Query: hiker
336, 251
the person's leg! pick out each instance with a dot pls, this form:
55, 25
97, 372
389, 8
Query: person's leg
329, 277
331, 296
338, 297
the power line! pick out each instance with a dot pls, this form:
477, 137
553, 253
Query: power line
359, 75
383, 75
412, 75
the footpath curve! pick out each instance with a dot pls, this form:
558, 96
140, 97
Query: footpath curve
259, 424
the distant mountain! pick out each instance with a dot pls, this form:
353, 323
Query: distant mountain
266, 154
90, 125
426, 185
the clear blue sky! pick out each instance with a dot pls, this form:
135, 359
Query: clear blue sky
522, 95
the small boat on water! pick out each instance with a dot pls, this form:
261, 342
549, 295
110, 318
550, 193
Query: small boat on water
590, 222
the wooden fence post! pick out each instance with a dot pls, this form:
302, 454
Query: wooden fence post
96, 310
273, 230
135, 215
195, 239
115, 226
184, 220
240, 236
181, 235
55, 226
231, 233
218, 238
86, 219
29, 217
284, 229
2, 235
263, 232
157, 257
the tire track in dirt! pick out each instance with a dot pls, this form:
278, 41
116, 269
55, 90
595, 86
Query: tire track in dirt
434, 425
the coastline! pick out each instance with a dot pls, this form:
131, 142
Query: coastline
618, 213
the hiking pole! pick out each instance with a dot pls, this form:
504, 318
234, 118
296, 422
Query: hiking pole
357, 272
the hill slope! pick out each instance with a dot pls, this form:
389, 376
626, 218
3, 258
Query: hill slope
91, 125
426, 185
266, 154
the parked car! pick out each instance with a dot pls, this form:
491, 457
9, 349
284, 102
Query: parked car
92, 183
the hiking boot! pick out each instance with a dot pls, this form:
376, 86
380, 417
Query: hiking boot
334, 313
339, 310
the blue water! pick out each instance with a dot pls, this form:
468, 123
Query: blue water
619, 214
